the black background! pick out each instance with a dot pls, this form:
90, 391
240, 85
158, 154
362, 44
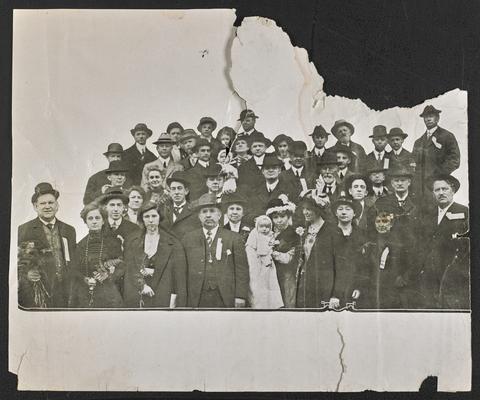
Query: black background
388, 53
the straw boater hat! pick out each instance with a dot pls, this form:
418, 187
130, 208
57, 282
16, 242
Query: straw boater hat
141, 127
278, 205
44, 188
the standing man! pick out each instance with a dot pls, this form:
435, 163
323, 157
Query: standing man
445, 272
217, 262
115, 202
164, 162
399, 157
187, 141
97, 181
379, 155
196, 175
116, 176
54, 241
178, 218
175, 130
206, 126
435, 152
343, 131
248, 120
250, 172
345, 159
320, 138
138, 155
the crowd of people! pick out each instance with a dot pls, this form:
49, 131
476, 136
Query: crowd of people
234, 219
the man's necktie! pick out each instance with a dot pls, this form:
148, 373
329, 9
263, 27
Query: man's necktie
50, 226
297, 173
209, 238
114, 226
379, 157
165, 165
341, 175
329, 189
177, 210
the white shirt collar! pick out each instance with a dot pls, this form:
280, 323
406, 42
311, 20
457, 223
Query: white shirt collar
432, 131
163, 160
401, 198
442, 212
141, 148
53, 221
235, 227
397, 152
117, 222
214, 232
272, 186
319, 152
379, 153
259, 160
180, 205
295, 170
203, 163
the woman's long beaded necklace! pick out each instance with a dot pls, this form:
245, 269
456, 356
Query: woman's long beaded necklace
100, 254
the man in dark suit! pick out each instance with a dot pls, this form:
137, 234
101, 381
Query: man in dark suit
187, 141
376, 176
320, 138
217, 262
116, 175
138, 155
248, 120
196, 175
177, 216
115, 201
250, 172
272, 187
54, 241
358, 187
98, 180
399, 157
345, 159
379, 156
343, 131
327, 182
445, 272
435, 152
301, 175
206, 126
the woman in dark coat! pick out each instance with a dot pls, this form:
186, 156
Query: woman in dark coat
284, 250
348, 243
97, 264
156, 265
316, 275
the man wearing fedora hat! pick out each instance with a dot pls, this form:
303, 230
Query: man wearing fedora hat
300, 176
214, 181
343, 131
399, 157
54, 239
97, 181
320, 138
250, 172
376, 176
379, 155
273, 185
164, 162
178, 218
435, 152
116, 175
247, 119
217, 262
138, 154
206, 126
115, 201
187, 141
445, 274
175, 130
196, 175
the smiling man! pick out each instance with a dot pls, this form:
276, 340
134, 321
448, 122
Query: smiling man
55, 243
217, 262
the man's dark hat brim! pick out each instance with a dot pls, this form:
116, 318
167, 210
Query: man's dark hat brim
340, 123
141, 127
429, 110
177, 177
394, 132
114, 148
247, 113
447, 178
319, 131
207, 120
345, 201
114, 194
258, 137
42, 189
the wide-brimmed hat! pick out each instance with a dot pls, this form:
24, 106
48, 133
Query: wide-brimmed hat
164, 138
113, 148
205, 200
141, 127
178, 176
328, 158
339, 123
271, 161
396, 132
278, 205
188, 134
340, 148
319, 130
117, 166
379, 131
233, 198
400, 171
343, 200
258, 137
247, 113
429, 110
447, 178
207, 120
298, 148
114, 192
282, 138
44, 188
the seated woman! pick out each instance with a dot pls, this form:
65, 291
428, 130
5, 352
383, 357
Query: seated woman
348, 242
156, 274
136, 196
155, 193
281, 144
284, 254
96, 265
316, 272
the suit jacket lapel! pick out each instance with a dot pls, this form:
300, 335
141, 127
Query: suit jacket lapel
164, 250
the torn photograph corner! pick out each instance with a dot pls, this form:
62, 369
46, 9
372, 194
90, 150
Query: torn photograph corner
169, 213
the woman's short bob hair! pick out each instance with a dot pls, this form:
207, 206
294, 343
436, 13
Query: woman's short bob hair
94, 205
138, 189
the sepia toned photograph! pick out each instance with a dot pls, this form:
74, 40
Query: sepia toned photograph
172, 170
